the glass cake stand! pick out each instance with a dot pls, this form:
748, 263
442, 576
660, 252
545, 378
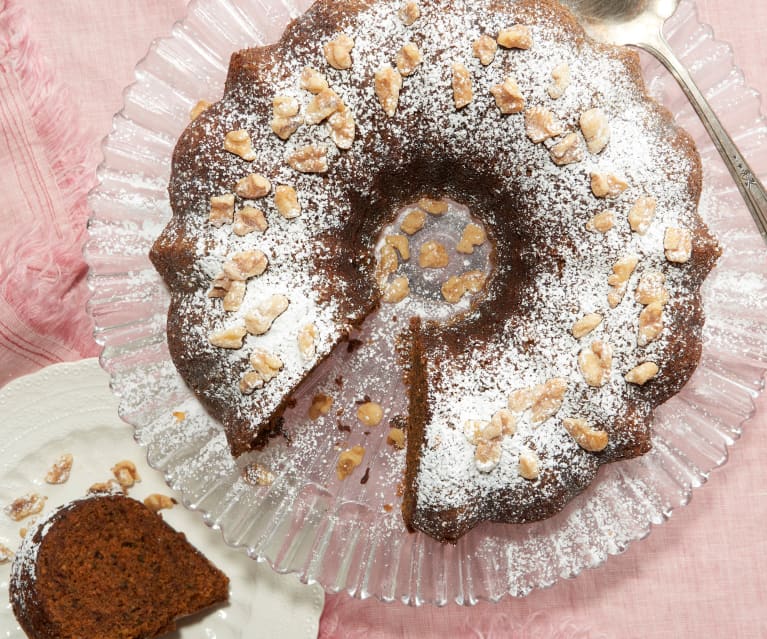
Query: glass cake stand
349, 536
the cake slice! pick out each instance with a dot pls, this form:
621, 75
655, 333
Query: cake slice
107, 567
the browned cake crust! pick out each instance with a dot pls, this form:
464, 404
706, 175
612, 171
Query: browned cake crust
106, 567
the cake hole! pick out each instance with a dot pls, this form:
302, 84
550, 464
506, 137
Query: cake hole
449, 259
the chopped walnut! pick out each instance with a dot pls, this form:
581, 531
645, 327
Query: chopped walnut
650, 323
522, 399
320, 406
229, 337
409, 13
484, 49
408, 58
587, 437
6, 554
400, 242
125, 473
23, 507
257, 474
286, 202
541, 124
388, 83
245, 264
607, 185
249, 219
179, 415
109, 486
529, 465
486, 437
677, 243
307, 341
596, 130
516, 37
338, 52
221, 284
387, 264
309, 159
342, 128
457, 286
265, 364
487, 455
586, 324
642, 374
548, 399
462, 91
234, 296
260, 319
197, 109
157, 502
285, 118
396, 290
505, 421
474, 281
508, 97
596, 362
642, 214
619, 278
253, 186
221, 209
413, 222
370, 413
348, 461
238, 142
651, 288
433, 206
60, 470
473, 235
560, 77
312, 80
601, 222
322, 106
567, 151
433, 255
396, 438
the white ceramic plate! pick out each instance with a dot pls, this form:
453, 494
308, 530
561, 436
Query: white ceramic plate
68, 408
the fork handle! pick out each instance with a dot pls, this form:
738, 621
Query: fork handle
748, 184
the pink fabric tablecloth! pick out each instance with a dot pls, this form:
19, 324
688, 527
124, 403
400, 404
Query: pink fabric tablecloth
63, 66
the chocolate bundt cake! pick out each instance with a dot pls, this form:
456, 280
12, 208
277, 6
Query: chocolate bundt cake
589, 315
107, 567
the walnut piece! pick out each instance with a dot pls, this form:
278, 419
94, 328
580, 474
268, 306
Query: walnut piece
462, 91
249, 219
457, 286
320, 406
505, 421
342, 128
307, 341
642, 374
348, 460
312, 80
401, 244
601, 222
473, 235
651, 288
585, 325
548, 398
408, 58
650, 323
642, 214
338, 52
260, 319
508, 97
245, 264
677, 243
487, 455
484, 49
60, 470
370, 413
560, 77
541, 124
6, 554
607, 185
309, 159
619, 278
109, 486
257, 474
413, 222
433, 206
396, 438
228, 338
157, 502
125, 473
387, 264
409, 13
388, 83
179, 415
396, 290
234, 296
286, 202
433, 255
197, 109
529, 465
285, 118
238, 142
587, 437
596, 362
567, 151
253, 186
23, 507
265, 365
221, 209
322, 106
516, 37
596, 130
486, 436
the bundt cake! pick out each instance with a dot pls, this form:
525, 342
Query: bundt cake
107, 567
370, 113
